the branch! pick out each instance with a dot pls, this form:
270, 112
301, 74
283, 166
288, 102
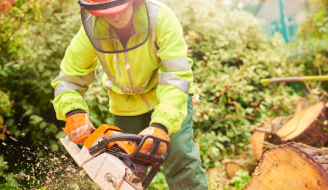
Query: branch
263, 130
321, 90
308, 88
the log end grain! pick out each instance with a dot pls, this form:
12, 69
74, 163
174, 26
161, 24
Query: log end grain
232, 168
289, 167
306, 127
257, 144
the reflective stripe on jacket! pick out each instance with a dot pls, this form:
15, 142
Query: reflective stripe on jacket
156, 75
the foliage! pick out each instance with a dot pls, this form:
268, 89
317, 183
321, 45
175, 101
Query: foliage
158, 183
316, 24
5, 104
240, 180
236, 183
230, 57
33, 39
312, 51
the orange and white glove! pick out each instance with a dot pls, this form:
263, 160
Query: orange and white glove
156, 130
78, 126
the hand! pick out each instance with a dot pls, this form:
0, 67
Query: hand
148, 144
78, 127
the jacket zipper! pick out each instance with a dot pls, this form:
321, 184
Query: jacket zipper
117, 62
127, 67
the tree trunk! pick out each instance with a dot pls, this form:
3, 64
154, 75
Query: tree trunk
234, 166
291, 166
308, 127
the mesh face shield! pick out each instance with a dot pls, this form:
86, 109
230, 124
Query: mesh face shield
102, 34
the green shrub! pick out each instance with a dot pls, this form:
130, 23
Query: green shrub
231, 54
240, 180
33, 39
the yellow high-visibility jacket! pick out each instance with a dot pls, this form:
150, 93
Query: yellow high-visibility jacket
156, 75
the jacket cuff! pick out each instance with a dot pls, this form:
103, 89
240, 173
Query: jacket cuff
160, 126
75, 112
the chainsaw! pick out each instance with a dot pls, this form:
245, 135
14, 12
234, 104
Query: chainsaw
110, 160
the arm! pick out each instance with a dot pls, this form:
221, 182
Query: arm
77, 73
174, 75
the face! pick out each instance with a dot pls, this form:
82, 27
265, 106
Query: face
121, 19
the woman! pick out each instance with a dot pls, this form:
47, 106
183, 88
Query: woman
148, 77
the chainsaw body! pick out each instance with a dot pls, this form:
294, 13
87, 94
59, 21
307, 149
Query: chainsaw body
110, 160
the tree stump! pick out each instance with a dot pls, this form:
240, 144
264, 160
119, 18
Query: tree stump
248, 165
291, 166
307, 127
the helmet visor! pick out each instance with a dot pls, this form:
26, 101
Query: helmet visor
103, 36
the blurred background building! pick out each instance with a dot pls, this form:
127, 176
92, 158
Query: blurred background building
269, 15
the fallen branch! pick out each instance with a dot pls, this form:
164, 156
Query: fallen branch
321, 90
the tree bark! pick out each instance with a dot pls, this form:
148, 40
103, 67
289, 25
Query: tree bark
292, 166
308, 127
248, 165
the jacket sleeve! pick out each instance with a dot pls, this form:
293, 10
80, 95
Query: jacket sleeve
174, 75
77, 73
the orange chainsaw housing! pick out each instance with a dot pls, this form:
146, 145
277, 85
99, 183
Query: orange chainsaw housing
108, 130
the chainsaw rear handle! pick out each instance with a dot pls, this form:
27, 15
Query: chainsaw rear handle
102, 146
150, 157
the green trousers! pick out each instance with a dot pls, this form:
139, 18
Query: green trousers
183, 169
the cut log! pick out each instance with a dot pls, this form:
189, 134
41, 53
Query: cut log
307, 127
257, 141
260, 143
267, 133
248, 165
291, 166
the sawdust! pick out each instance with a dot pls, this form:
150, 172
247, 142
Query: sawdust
52, 170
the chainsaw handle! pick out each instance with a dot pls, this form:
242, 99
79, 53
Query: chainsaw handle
102, 145
150, 156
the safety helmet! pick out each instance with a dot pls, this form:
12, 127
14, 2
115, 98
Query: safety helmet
99, 30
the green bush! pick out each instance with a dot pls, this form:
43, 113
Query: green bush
240, 180
231, 54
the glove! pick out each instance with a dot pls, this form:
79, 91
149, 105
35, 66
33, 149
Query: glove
78, 126
156, 130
